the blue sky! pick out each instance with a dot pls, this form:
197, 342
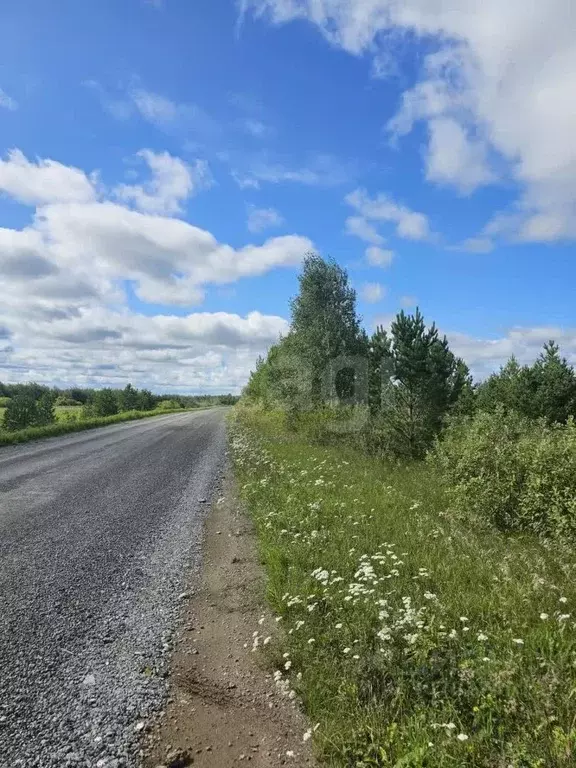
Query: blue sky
146, 145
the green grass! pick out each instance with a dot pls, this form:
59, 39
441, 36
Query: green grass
411, 638
65, 425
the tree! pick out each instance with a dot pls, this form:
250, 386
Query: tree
128, 398
325, 325
45, 413
145, 400
555, 386
21, 412
425, 385
379, 359
105, 403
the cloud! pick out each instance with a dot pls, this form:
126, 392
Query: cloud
208, 352
409, 224
255, 128
379, 257
319, 171
260, 219
185, 120
476, 245
454, 158
501, 74
7, 102
372, 292
360, 227
64, 307
44, 181
172, 182
408, 302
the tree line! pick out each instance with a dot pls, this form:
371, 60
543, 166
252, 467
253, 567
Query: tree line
34, 405
406, 383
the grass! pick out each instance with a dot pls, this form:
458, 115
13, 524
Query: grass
74, 423
412, 638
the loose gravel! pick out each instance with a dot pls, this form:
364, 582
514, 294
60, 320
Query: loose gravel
98, 535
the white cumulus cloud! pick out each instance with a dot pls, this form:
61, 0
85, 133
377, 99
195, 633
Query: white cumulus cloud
260, 219
500, 79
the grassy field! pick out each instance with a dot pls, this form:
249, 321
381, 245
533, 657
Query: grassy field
412, 639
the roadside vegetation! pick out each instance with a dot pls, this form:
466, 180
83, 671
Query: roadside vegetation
417, 530
30, 411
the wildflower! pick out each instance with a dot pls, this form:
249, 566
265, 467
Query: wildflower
267, 640
463, 619
564, 617
307, 736
543, 616
482, 637
518, 640
450, 726
462, 737
287, 665
339, 625
290, 753
563, 599
355, 656
346, 650
311, 640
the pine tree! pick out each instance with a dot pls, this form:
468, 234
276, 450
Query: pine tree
427, 381
555, 385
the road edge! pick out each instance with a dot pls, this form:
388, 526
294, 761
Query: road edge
224, 707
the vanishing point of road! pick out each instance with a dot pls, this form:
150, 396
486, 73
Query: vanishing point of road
98, 534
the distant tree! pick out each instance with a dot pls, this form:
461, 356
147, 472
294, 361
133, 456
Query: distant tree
45, 413
105, 402
547, 389
128, 398
145, 400
21, 412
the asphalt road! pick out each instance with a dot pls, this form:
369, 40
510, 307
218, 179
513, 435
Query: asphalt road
97, 533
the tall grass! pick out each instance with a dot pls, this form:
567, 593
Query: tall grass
62, 427
412, 638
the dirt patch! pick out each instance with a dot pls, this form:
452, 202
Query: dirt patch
224, 708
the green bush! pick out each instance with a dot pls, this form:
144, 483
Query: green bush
62, 401
105, 402
21, 412
512, 472
169, 405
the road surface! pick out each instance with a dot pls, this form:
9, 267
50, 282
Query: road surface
97, 531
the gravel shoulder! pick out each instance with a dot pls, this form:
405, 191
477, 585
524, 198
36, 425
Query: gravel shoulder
224, 709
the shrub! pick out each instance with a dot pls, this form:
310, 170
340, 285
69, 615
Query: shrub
105, 403
62, 401
21, 412
169, 405
515, 473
